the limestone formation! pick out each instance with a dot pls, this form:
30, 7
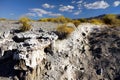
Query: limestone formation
91, 52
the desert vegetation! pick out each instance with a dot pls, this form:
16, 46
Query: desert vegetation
60, 19
111, 19
3, 19
83, 20
63, 31
25, 24
24, 20
96, 21
76, 22
108, 19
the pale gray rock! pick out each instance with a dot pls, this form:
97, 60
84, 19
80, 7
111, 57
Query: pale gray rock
6, 34
70, 25
91, 52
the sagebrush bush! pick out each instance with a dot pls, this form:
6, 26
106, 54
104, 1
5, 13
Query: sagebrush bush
25, 24
96, 21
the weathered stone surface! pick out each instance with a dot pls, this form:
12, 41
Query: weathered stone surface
91, 52
6, 34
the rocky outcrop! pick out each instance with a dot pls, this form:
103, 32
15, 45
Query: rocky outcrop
91, 52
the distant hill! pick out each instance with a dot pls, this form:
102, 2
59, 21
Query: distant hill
108, 19
101, 16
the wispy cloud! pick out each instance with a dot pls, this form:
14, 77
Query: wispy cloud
116, 3
73, 1
46, 5
76, 2
79, 2
40, 12
79, 6
77, 12
12, 14
30, 14
67, 8
97, 5
55, 14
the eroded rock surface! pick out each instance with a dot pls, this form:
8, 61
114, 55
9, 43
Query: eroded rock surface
91, 52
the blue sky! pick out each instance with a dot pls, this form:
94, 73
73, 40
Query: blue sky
36, 9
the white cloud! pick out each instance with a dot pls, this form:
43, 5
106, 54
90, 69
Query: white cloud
79, 6
46, 5
40, 12
97, 5
116, 3
55, 14
61, 5
77, 12
12, 14
79, 2
67, 8
30, 14
73, 2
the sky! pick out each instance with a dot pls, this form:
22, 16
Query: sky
36, 9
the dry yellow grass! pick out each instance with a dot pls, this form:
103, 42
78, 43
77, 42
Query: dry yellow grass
26, 27
25, 24
111, 19
96, 21
65, 29
3, 19
60, 19
24, 20
76, 22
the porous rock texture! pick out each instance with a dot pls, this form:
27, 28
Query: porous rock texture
91, 52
